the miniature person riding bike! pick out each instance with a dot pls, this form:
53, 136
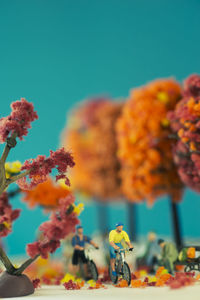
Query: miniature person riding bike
116, 236
78, 242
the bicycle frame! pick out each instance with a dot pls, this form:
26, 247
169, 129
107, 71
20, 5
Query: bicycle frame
87, 251
120, 259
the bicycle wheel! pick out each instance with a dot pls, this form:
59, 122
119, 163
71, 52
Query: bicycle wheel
188, 268
81, 272
113, 278
126, 273
93, 270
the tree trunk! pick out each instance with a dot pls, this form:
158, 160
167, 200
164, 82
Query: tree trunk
176, 224
102, 212
132, 220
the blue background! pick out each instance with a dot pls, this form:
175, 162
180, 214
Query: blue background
58, 52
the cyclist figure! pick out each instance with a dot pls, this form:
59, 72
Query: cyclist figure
116, 236
78, 242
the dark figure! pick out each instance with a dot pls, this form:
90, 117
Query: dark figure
78, 242
169, 255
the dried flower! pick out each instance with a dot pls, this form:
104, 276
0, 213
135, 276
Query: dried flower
7, 215
19, 121
42, 166
61, 223
185, 123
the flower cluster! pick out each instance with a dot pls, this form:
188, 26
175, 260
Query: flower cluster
19, 121
7, 215
163, 278
42, 166
71, 283
61, 223
181, 279
144, 147
91, 134
46, 194
36, 283
185, 123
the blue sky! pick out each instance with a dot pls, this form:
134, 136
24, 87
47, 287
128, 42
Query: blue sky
58, 52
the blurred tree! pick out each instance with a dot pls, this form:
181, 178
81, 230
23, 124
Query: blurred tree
46, 194
90, 134
185, 123
148, 171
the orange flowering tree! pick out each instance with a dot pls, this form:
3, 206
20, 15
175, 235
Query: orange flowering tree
90, 132
144, 146
46, 194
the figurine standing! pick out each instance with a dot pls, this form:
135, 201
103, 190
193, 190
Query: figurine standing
152, 251
169, 255
78, 242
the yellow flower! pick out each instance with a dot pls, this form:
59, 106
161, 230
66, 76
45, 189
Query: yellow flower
16, 166
6, 224
143, 273
12, 168
152, 278
42, 262
79, 208
62, 183
68, 277
163, 97
91, 283
165, 122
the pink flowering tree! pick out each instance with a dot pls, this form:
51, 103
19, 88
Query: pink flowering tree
185, 123
33, 171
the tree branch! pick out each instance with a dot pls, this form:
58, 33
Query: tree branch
25, 265
17, 177
6, 262
10, 143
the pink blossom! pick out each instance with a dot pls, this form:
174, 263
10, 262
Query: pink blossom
33, 249
192, 85
42, 166
185, 124
61, 223
19, 121
7, 215
36, 283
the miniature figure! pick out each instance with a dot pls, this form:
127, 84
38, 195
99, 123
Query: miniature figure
78, 242
150, 256
169, 255
116, 237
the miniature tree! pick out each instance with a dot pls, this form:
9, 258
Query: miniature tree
90, 132
185, 123
46, 194
33, 172
144, 147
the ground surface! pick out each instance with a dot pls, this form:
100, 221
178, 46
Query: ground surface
113, 293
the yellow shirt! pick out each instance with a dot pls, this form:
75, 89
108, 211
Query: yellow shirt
117, 237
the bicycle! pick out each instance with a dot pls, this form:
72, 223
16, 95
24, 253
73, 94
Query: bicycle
92, 271
121, 267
